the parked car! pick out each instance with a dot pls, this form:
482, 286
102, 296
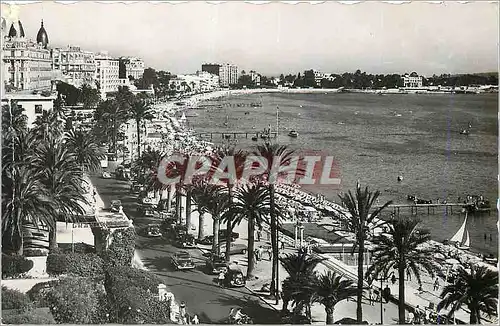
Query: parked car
115, 205
185, 241
223, 235
235, 248
234, 278
147, 210
182, 260
153, 230
215, 265
208, 240
106, 175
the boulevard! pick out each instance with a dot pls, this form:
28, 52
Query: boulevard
198, 289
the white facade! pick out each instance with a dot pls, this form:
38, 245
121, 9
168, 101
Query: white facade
107, 74
228, 75
412, 80
255, 77
134, 67
33, 104
77, 67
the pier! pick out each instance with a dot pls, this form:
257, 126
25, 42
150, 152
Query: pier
430, 208
236, 134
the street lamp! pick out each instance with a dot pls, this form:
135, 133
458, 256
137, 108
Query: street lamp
381, 279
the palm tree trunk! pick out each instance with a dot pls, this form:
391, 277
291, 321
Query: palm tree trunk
188, 209
20, 249
401, 303
474, 317
215, 244
138, 138
178, 204
229, 226
53, 237
169, 198
329, 315
274, 242
359, 293
251, 245
201, 227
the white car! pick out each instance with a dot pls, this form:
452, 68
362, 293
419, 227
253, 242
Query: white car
106, 175
182, 260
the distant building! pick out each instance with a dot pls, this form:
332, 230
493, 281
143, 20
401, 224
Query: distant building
412, 80
131, 67
33, 104
78, 67
107, 74
26, 65
255, 77
228, 73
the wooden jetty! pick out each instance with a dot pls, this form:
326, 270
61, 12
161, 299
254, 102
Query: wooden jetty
236, 134
431, 208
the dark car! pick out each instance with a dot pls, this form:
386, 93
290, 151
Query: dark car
223, 235
185, 241
153, 231
234, 278
182, 260
115, 205
208, 240
215, 265
235, 248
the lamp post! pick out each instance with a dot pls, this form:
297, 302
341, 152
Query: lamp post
385, 277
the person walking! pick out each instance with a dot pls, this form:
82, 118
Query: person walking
182, 313
270, 253
370, 296
408, 274
222, 276
436, 284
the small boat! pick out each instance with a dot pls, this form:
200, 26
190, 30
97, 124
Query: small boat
462, 238
340, 123
464, 132
400, 178
293, 134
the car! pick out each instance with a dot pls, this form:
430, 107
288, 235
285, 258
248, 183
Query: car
185, 241
208, 240
136, 188
235, 248
153, 230
215, 265
106, 175
115, 205
234, 278
182, 260
223, 235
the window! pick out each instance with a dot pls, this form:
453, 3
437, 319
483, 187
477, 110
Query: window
38, 109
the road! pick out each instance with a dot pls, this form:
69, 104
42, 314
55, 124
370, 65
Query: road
195, 287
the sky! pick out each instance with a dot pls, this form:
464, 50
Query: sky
274, 38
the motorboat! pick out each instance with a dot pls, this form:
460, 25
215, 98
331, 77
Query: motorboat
462, 238
293, 134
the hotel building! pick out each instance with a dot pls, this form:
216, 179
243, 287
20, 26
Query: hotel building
107, 74
77, 67
228, 73
412, 80
131, 68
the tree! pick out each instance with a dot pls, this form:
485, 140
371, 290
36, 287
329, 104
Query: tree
89, 96
217, 205
274, 155
301, 283
401, 248
250, 203
110, 116
358, 220
331, 289
140, 111
87, 153
200, 199
477, 288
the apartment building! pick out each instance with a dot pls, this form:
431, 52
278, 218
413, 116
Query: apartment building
77, 67
107, 73
228, 73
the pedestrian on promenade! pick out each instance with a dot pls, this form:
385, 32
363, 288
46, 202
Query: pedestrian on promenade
256, 254
387, 293
370, 296
408, 274
282, 244
393, 279
182, 313
260, 252
270, 253
259, 234
436, 284
418, 314
222, 276
411, 318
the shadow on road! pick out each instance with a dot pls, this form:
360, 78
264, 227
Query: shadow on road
251, 307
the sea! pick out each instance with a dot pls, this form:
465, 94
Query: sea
376, 138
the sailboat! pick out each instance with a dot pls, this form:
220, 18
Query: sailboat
461, 238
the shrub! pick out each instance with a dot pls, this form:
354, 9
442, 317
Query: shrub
80, 247
86, 265
39, 291
13, 299
35, 252
14, 266
121, 250
75, 300
119, 277
29, 317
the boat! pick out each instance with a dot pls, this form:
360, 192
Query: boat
461, 238
464, 132
293, 134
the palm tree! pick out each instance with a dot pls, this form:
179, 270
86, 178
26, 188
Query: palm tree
27, 201
239, 159
250, 203
87, 153
110, 115
14, 121
330, 290
49, 124
280, 155
401, 249
62, 177
200, 199
300, 284
358, 220
140, 111
477, 288
217, 205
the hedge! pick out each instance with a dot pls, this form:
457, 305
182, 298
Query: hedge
76, 301
28, 317
15, 266
121, 250
78, 264
38, 293
13, 299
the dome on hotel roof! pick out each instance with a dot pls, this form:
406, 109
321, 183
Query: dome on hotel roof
42, 37
16, 30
